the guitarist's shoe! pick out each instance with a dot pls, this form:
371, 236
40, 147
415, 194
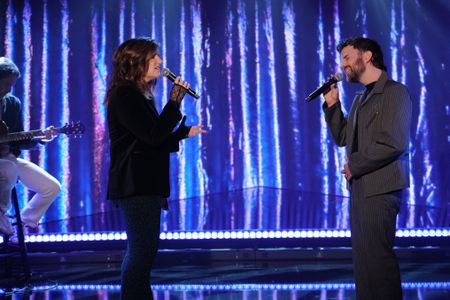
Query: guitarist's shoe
29, 223
5, 225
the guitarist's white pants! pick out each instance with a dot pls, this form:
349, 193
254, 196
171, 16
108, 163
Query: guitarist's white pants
36, 179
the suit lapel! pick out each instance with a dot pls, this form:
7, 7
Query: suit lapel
377, 89
354, 118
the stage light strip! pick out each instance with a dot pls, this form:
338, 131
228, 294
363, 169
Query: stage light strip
241, 286
229, 235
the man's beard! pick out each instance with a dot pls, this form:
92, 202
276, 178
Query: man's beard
356, 70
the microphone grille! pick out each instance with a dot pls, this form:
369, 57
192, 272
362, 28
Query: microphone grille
337, 76
166, 72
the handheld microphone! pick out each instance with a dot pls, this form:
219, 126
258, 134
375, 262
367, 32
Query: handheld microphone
320, 90
166, 73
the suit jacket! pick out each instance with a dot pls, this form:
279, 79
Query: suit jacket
384, 119
141, 140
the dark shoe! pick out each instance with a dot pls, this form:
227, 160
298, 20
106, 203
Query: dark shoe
5, 225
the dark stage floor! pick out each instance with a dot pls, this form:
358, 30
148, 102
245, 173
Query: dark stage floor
292, 249
302, 273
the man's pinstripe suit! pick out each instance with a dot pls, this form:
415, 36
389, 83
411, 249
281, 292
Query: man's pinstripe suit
380, 170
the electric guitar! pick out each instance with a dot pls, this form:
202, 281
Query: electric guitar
73, 128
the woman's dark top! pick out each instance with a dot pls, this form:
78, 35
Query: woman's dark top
140, 143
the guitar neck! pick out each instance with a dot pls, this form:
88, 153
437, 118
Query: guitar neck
24, 135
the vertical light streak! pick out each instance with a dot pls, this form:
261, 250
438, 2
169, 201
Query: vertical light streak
121, 21
133, 19
28, 55
229, 71
26, 75
99, 73
340, 153
268, 28
163, 52
411, 195
182, 153
44, 86
259, 119
403, 41
394, 42
290, 39
164, 48
9, 52
9, 32
290, 43
364, 17
44, 78
153, 12
248, 173
422, 134
64, 157
249, 198
324, 143
202, 179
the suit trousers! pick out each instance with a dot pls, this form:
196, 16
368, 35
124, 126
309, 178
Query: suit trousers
142, 223
373, 224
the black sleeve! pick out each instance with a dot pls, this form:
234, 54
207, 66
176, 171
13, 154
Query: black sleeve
172, 142
17, 126
130, 109
336, 122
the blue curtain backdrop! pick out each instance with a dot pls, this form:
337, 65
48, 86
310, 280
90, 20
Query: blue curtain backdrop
253, 62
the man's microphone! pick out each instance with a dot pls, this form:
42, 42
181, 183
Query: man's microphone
326, 86
166, 73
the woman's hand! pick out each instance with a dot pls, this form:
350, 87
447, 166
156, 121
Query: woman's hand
179, 89
196, 130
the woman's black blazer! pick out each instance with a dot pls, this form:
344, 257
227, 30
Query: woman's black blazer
141, 140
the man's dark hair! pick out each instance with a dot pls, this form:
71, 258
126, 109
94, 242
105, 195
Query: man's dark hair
8, 67
365, 44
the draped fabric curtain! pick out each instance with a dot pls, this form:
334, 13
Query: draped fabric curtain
253, 63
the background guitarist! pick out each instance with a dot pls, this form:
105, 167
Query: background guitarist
36, 179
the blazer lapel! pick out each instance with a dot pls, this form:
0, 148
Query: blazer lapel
377, 89
354, 118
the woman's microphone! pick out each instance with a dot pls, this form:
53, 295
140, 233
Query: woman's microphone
166, 73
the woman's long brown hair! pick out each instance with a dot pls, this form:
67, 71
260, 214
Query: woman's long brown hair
130, 65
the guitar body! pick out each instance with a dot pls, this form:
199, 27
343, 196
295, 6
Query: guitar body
4, 148
3, 129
